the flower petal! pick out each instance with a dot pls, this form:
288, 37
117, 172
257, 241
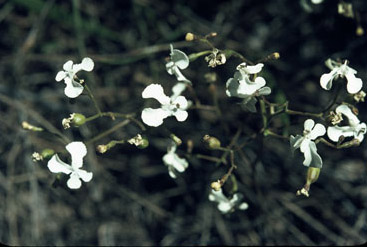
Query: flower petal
180, 102
56, 165
326, 80
77, 151
232, 86
68, 66
264, 91
346, 111
154, 117
87, 64
316, 160
180, 59
85, 176
178, 89
74, 181
73, 89
361, 130
60, 75
156, 91
354, 84
308, 125
334, 132
248, 87
253, 69
307, 153
181, 115
318, 130
224, 207
295, 142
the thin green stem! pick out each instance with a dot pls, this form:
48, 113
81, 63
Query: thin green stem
107, 132
91, 96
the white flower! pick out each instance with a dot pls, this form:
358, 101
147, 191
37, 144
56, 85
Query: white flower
224, 204
306, 144
174, 106
354, 84
241, 84
355, 128
77, 151
179, 60
173, 161
73, 88
317, 1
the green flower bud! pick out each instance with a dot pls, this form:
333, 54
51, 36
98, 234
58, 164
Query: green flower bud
47, 153
144, 143
211, 142
312, 175
78, 119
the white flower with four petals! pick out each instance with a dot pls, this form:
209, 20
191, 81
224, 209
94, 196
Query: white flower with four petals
306, 143
173, 161
226, 205
354, 84
179, 60
77, 151
170, 106
73, 88
355, 128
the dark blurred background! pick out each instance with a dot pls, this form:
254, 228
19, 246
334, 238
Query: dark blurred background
131, 199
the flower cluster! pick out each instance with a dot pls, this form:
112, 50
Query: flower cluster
245, 84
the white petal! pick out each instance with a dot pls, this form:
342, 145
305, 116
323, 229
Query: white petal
179, 76
181, 115
60, 75
247, 87
73, 89
295, 142
254, 69
361, 130
224, 207
77, 151
87, 64
178, 89
68, 66
74, 181
56, 165
181, 102
326, 80
308, 125
307, 153
171, 172
354, 84
180, 59
232, 86
334, 132
318, 130
154, 117
156, 91
85, 176
264, 91
346, 111
316, 160
243, 206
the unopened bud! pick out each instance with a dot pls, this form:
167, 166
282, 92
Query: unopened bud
176, 139
211, 142
216, 185
275, 55
28, 126
189, 37
47, 153
359, 31
102, 148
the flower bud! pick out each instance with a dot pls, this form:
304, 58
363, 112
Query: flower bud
189, 37
47, 153
102, 148
144, 143
28, 126
311, 177
359, 31
176, 139
275, 55
211, 142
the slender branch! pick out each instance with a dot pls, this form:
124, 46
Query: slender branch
91, 96
107, 132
